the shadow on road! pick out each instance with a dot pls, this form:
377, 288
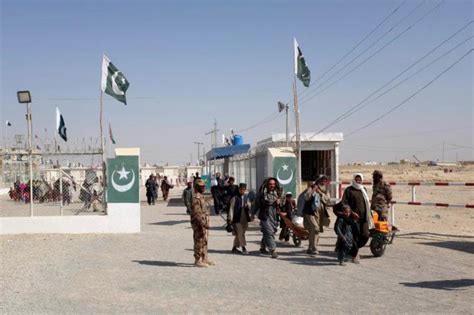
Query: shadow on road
175, 202
441, 284
467, 247
429, 235
162, 263
169, 223
311, 261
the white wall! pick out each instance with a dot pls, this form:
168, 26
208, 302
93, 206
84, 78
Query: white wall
121, 218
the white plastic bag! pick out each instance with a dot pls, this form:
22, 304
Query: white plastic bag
297, 220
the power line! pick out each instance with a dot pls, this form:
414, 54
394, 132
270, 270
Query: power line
265, 120
399, 35
411, 134
412, 95
460, 146
385, 19
361, 104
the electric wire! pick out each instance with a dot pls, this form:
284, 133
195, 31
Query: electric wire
385, 19
358, 107
412, 95
361, 104
399, 35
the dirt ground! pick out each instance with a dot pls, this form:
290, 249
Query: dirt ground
428, 268
427, 218
152, 272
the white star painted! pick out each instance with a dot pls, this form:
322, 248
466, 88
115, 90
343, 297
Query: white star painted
123, 173
285, 167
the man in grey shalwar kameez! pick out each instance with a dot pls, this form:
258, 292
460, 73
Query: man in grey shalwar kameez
268, 200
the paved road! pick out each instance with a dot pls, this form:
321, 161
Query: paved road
152, 272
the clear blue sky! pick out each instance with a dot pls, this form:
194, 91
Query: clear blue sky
189, 62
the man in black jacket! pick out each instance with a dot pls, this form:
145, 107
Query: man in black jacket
230, 190
151, 188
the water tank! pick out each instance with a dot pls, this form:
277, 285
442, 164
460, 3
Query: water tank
238, 140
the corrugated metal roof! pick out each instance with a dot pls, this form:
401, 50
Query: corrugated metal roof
223, 152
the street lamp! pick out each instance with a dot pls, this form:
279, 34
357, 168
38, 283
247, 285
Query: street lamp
25, 97
285, 107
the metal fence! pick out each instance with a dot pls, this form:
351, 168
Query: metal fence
62, 184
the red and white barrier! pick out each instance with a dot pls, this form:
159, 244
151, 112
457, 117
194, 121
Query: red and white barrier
415, 183
433, 204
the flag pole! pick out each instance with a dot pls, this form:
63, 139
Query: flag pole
104, 179
6, 137
297, 120
298, 136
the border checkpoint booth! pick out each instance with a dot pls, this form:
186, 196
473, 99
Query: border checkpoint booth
270, 157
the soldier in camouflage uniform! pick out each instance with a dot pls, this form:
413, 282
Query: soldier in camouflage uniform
200, 225
381, 195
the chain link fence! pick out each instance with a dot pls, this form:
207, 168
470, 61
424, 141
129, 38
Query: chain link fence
62, 184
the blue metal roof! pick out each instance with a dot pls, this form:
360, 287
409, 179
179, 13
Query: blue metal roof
223, 152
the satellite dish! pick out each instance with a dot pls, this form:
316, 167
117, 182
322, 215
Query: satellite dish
281, 107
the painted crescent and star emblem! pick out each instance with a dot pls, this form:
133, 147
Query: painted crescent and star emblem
118, 90
123, 176
288, 179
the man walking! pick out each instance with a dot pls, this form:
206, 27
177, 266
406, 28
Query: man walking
230, 190
165, 188
239, 217
381, 195
216, 191
267, 203
316, 201
200, 225
150, 190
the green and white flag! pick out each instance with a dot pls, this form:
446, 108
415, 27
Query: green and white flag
113, 82
60, 125
111, 134
301, 68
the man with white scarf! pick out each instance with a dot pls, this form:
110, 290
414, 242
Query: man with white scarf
356, 197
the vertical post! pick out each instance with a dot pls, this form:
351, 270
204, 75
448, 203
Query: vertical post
413, 193
61, 190
104, 171
392, 215
6, 137
287, 134
298, 139
30, 155
5, 179
442, 160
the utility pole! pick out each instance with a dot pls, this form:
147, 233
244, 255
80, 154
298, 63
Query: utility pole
285, 107
199, 151
204, 155
213, 134
443, 152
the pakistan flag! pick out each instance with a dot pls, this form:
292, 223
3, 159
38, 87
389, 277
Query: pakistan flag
301, 68
114, 82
